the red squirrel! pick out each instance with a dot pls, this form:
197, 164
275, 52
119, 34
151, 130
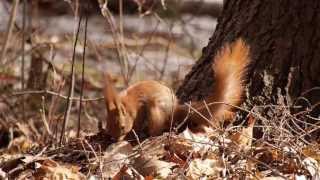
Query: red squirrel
151, 106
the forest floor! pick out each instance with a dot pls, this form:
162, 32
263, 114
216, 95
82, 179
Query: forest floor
150, 47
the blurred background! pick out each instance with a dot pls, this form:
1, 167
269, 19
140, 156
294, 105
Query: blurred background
136, 40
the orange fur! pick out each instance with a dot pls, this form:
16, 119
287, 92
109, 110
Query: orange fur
144, 106
150, 106
229, 67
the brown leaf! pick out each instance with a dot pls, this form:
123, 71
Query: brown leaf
121, 173
116, 156
243, 139
172, 157
199, 168
151, 166
312, 151
149, 177
50, 169
127, 173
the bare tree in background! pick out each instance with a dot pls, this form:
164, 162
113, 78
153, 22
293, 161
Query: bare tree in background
35, 80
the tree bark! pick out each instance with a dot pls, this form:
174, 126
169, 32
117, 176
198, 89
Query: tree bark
284, 40
35, 80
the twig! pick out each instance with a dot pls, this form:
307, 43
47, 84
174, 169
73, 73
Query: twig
56, 94
173, 98
208, 109
121, 39
83, 63
96, 155
166, 56
137, 139
201, 115
43, 117
116, 38
70, 94
133, 68
240, 108
52, 105
52, 109
24, 4
6, 7
9, 30
33, 48
184, 120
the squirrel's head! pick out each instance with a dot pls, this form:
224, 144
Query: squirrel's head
119, 122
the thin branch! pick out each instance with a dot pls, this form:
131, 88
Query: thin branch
9, 30
70, 94
56, 94
83, 63
122, 44
133, 68
116, 39
166, 55
43, 117
24, 4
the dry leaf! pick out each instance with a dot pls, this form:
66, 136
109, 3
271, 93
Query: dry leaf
151, 166
3, 175
209, 168
116, 156
181, 147
243, 139
128, 173
312, 166
50, 169
20, 145
148, 178
172, 157
312, 151
200, 141
273, 178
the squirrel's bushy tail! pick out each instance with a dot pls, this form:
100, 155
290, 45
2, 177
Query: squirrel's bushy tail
229, 68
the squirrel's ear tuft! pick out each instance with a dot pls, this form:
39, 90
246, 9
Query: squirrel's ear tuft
111, 96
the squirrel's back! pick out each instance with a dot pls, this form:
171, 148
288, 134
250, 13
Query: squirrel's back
152, 93
154, 103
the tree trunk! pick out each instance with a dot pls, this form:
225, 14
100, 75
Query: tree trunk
35, 80
35, 75
284, 40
